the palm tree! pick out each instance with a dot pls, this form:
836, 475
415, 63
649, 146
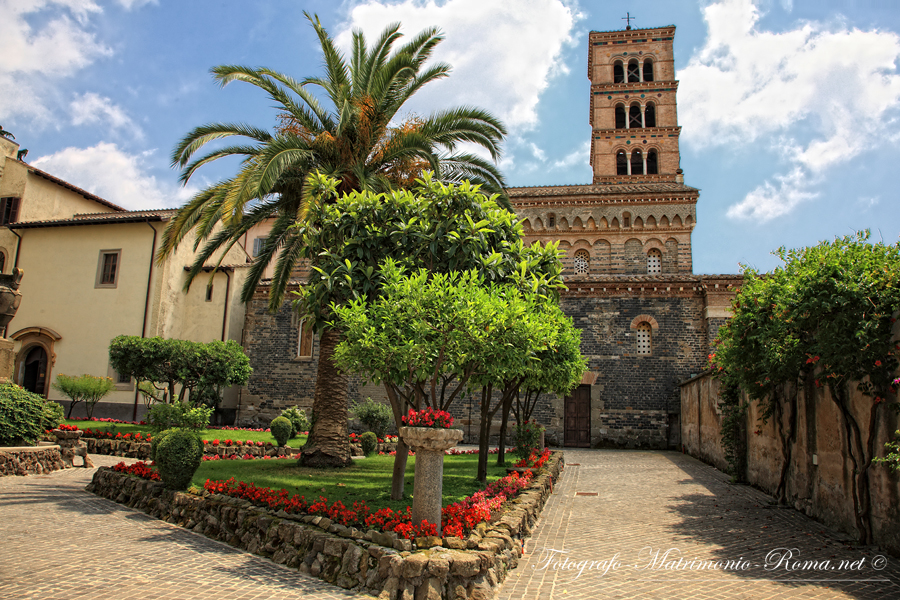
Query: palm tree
360, 140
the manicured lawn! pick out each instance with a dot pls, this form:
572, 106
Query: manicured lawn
206, 434
366, 479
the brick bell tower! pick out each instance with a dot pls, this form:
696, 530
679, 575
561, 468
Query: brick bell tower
636, 216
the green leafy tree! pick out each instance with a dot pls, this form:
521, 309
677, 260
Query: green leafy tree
177, 367
84, 388
360, 137
827, 314
438, 227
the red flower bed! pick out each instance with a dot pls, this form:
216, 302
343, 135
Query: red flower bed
439, 419
67, 428
141, 469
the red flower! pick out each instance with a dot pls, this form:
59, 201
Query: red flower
877, 363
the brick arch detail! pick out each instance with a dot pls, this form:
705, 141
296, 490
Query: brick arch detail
654, 325
654, 243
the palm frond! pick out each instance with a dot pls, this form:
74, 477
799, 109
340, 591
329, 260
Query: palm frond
199, 136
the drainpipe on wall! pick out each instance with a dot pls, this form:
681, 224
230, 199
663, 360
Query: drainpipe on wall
18, 246
225, 309
137, 392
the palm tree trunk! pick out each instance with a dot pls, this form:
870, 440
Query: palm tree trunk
328, 444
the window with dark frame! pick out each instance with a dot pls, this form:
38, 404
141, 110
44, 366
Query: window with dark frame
9, 210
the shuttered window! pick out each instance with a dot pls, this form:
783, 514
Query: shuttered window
9, 210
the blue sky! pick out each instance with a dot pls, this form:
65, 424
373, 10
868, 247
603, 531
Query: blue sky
788, 108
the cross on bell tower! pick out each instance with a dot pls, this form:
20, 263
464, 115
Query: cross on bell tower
628, 19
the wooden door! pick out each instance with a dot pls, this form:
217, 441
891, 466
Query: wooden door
577, 429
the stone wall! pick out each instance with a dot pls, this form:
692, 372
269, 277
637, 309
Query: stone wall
373, 562
141, 450
819, 476
30, 460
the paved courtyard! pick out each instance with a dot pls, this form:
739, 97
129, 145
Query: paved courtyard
624, 510
622, 507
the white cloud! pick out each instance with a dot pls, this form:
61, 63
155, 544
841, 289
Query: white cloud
91, 108
131, 4
115, 175
769, 201
33, 57
502, 53
578, 157
830, 89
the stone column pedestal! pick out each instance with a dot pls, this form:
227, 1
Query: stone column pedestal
7, 360
70, 446
429, 444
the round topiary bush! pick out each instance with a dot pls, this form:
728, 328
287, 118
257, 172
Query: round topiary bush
298, 419
369, 442
155, 439
281, 430
21, 416
178, 455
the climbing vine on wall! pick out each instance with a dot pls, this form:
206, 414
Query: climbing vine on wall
828, 314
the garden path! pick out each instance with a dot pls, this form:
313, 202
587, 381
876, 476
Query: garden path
58, 542
624, 506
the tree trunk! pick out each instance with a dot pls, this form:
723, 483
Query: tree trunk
484, 434
398, 477
505, 410
328, 444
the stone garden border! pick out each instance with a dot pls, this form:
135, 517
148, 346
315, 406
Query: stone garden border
30, 460
371, 561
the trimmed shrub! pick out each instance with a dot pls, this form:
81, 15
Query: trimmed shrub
155, 439
54, 414
281, 430
369, 443
375, 416
178, 414
298, 419
528, 438
178, 456
21, 416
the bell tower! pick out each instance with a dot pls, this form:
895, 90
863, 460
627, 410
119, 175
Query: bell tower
633, 113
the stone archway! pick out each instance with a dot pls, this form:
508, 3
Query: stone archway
35, 359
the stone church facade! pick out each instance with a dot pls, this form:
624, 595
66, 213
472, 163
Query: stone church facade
647, 321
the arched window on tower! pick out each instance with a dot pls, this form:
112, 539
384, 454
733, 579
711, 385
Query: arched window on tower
644, 339
621, 163
634, 71
582, 262
654, 262
618, 72
620, 116
637, 163
648, 69
650, 115
551, 221
652, 163
634, 116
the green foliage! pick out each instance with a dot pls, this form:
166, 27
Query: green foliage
377, 417
53, 415
348, 124
892, 458
180, 366
21, 416
528, 438
84, 388
299, 420
179, 414
281, 430
369, 442
432, 226
155, 439
178, 455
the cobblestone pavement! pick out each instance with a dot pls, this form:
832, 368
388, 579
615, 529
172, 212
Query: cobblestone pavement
58, 542
629, 508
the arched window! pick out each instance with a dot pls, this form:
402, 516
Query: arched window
654, 262
650, 115
582, 262
634, 116
648, 69
620, 116
652, 163
304, 339
551, 221
2, 262
634, 71
644, 339
618, 72
621, 163
637, 163
626, 219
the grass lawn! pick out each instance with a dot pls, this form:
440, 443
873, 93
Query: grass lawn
366, 479
206, 434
